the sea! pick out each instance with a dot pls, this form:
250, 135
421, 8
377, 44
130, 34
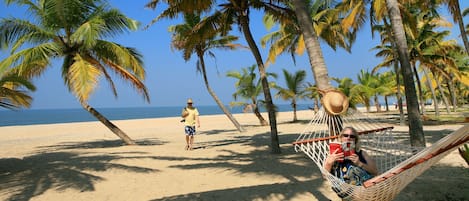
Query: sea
52, 116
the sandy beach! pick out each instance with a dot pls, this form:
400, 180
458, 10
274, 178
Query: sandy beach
86, 161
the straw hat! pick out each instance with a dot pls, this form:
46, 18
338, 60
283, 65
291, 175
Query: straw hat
335, 102
189, 100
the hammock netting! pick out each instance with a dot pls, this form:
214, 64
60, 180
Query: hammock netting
398, 163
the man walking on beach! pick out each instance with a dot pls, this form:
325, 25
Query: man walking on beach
191, 119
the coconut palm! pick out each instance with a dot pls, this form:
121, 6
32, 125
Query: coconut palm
311, 91
327, 22
386, 85
75, 31
455, 10
14, 91
365, 88
190, 42
313, 48
249, 87
231, 13
415, 123
294, 90
388, 50
345, 85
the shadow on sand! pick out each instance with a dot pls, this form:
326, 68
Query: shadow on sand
59, 168
54, 168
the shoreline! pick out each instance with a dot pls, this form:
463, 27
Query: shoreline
86, 161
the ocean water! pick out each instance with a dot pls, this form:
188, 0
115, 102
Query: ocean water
51, 116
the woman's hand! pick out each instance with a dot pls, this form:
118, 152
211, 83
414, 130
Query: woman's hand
334, 156
331, 158
355, 160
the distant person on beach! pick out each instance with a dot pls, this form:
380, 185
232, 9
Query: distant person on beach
190, 116
357, 166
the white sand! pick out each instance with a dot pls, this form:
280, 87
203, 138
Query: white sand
85, 161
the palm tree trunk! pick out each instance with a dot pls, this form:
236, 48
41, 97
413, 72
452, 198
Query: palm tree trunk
108, 124
429, 84
417, 137
258, 114
458, 18
452, 92
316, 104
398, 73
442, 93
293, 104
244, 22
313, 47
377, 105
215, 97
387, 103
419, 88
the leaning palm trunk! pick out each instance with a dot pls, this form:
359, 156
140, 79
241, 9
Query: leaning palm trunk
258, 114
244, 22
442, 93
443, 97
452, 93
108, 124
456, 11
429, 84
419, 88
215, 97
417, 137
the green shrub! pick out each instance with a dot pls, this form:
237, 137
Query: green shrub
464, 151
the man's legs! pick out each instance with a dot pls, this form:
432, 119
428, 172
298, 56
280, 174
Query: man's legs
191, 142
187, 141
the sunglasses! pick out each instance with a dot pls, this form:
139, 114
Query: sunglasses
348, 135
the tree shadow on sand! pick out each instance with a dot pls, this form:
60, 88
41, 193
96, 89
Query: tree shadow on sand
99, 144
290, 165
22, 179
279, 191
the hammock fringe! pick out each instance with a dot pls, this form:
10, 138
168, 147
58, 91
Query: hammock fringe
399, 164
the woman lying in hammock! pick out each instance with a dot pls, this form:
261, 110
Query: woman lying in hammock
349, 162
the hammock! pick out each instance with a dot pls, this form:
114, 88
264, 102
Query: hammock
398, 164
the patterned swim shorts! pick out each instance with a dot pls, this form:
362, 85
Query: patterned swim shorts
190, 130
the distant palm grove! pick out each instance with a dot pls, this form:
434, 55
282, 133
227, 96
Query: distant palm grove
419, 65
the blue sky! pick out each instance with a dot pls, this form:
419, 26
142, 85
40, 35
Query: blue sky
170, 80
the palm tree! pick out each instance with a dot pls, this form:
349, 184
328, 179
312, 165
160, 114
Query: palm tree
310, 37
293, 90
455, 10
415, 123
365, 89
221, 20
311, 91
12, 93
74, 30
345, 85
248, 87
388, 51
327, 22
190, 42
386, 86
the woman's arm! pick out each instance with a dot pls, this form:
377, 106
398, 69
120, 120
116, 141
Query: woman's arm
331, 158
370, 165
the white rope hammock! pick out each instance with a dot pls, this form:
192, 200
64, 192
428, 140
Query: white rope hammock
398, 164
